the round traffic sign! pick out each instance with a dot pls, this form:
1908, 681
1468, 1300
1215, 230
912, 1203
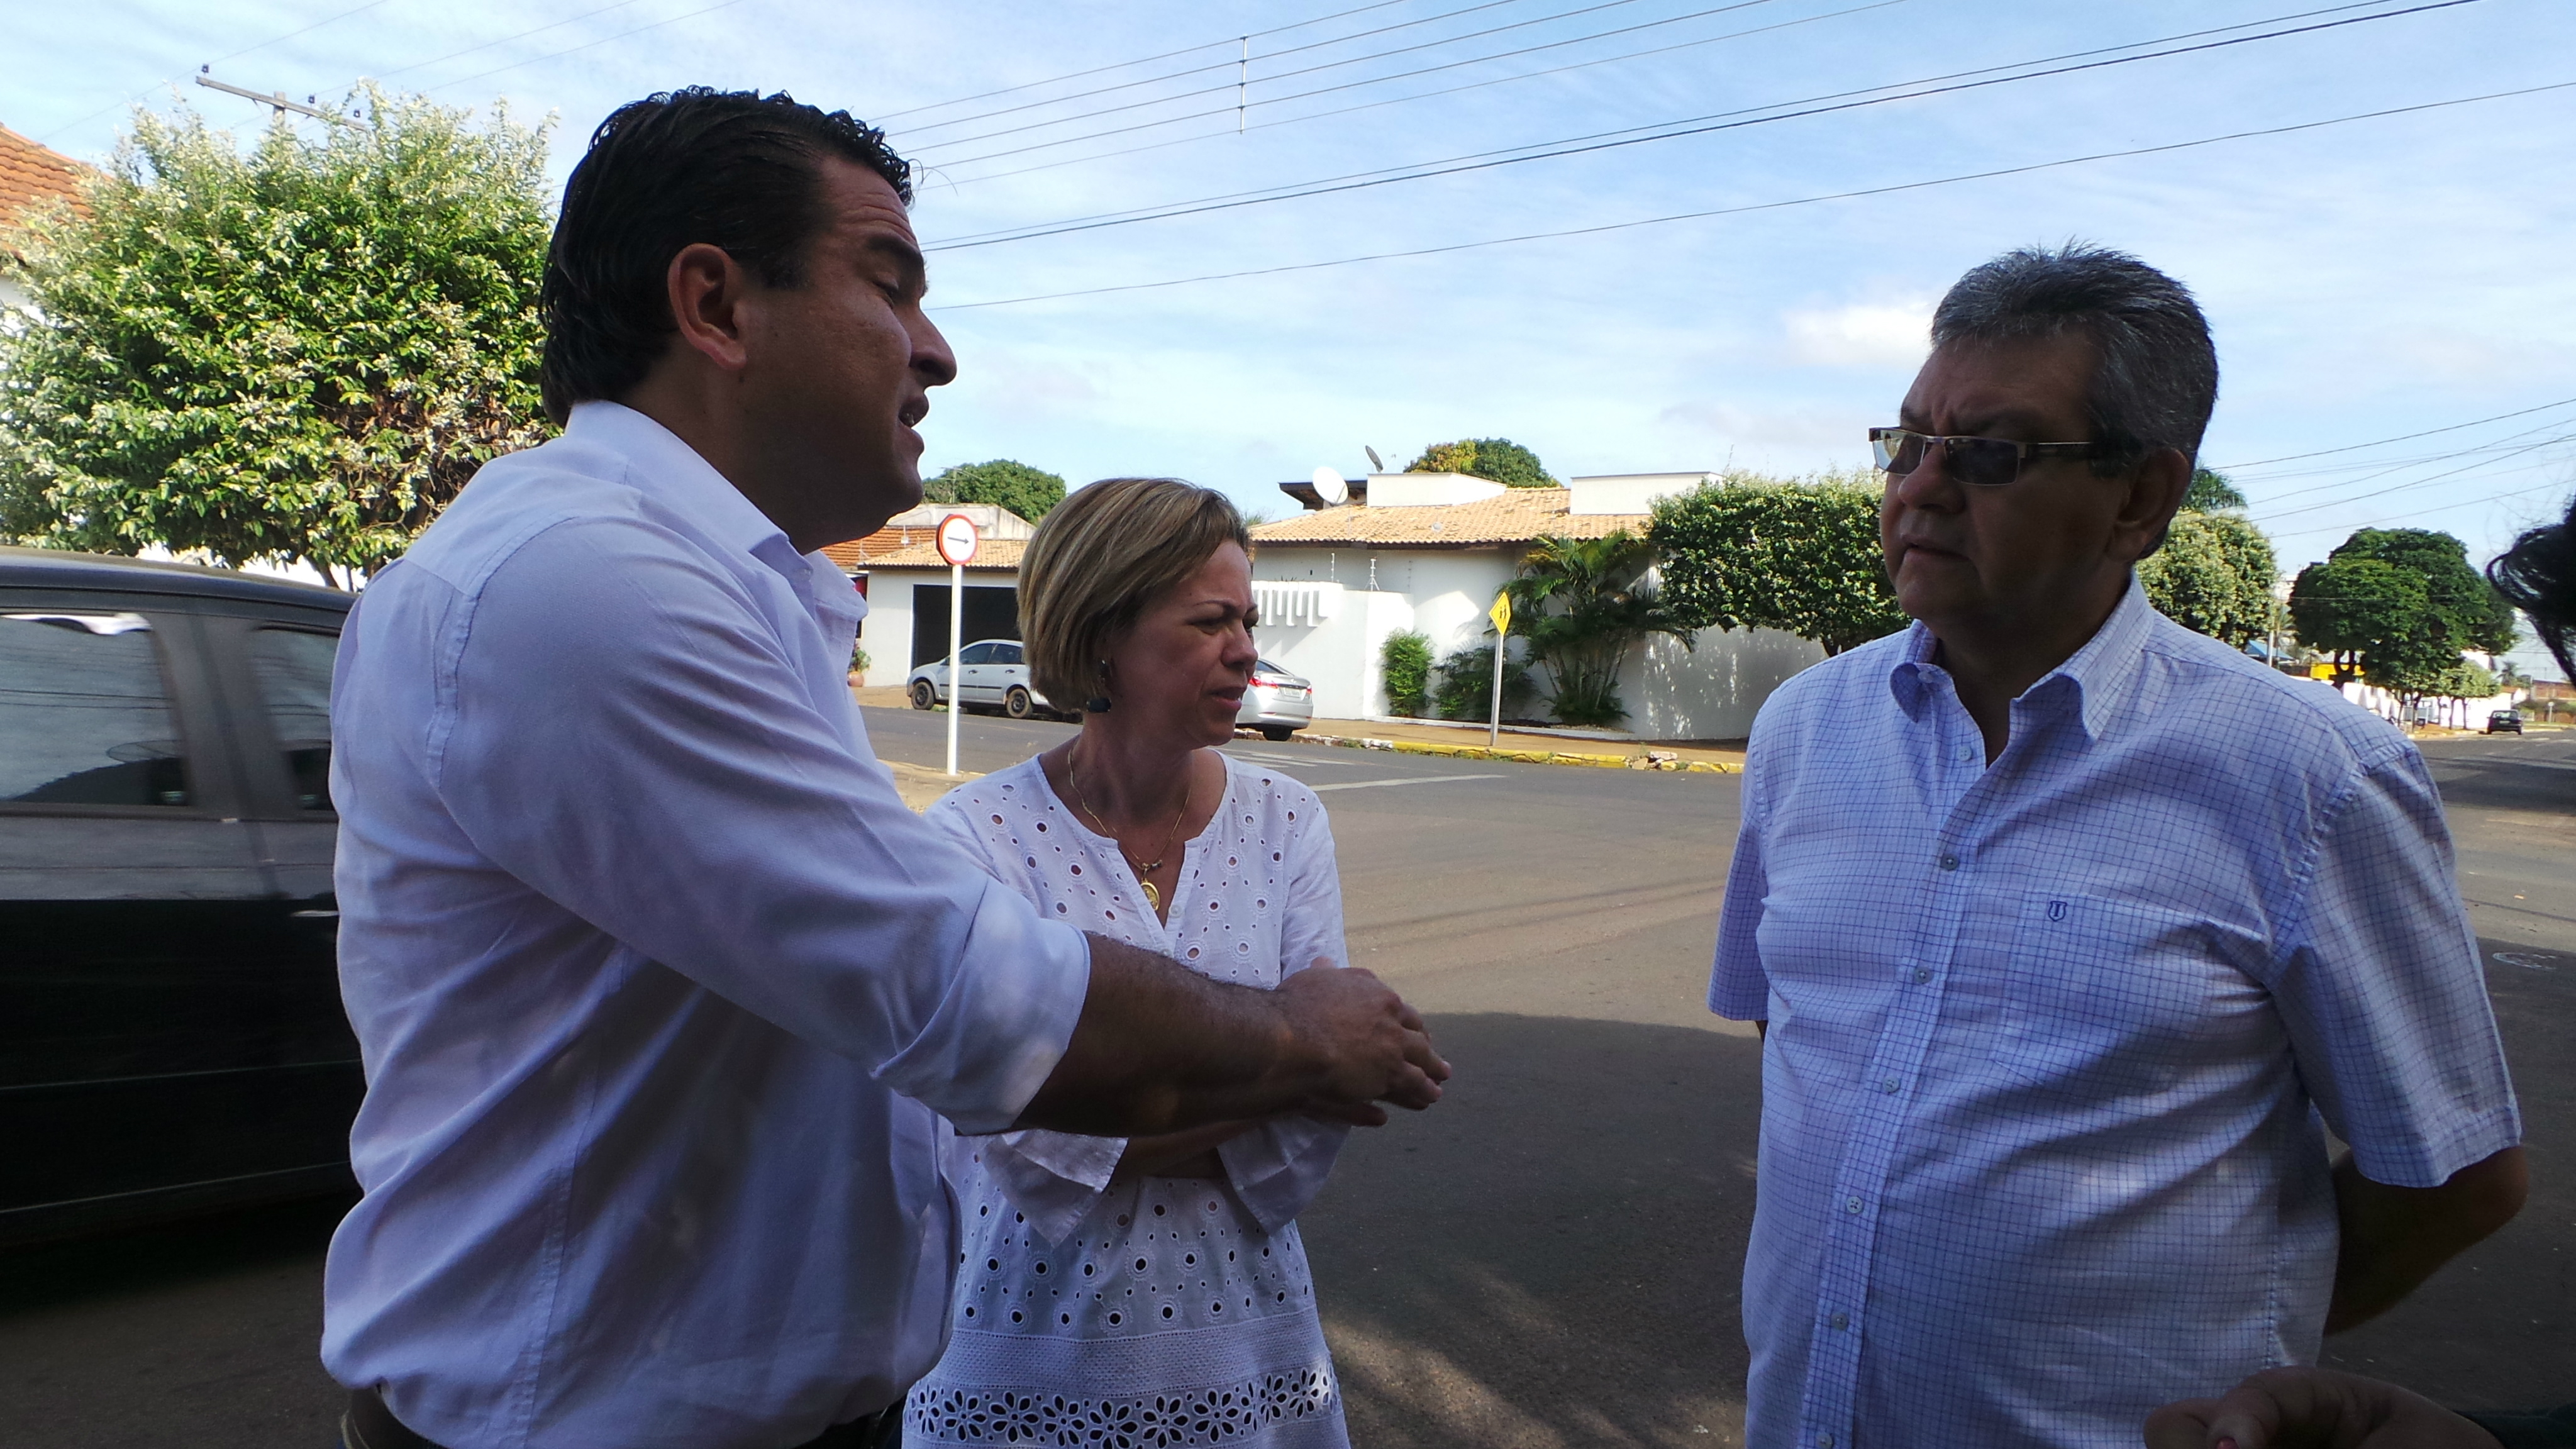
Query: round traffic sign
957, 539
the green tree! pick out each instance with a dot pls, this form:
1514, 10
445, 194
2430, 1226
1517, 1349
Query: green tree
1757, 553
1583, 604
1498, 459
1404, 661
298, 353
2210, 492
2214, 574
1026, 491
2399, 606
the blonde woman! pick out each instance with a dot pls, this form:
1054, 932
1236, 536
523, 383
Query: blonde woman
1145, 1291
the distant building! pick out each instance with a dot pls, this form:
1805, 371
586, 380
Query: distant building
1429, 551
899, 569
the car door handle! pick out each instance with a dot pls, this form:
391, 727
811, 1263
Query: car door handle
316, 916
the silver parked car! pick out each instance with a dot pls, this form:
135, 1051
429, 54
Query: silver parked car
1278, 703
992, 674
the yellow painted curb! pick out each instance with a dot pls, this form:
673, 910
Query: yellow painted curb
1532, 757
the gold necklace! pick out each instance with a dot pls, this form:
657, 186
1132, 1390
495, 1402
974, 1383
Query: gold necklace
1153, 897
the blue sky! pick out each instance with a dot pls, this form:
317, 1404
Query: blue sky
2366, 280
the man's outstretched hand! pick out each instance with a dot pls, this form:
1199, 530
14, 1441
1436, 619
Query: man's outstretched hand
2308, 1408
1370, 1047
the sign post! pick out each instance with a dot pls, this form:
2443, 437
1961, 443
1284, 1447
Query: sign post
1501, 614
957, 545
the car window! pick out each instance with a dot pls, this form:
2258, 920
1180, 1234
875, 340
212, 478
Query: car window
1006, 654
294, 669
975, 654
85, 716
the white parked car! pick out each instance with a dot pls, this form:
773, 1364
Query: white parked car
1278, 703
991, 675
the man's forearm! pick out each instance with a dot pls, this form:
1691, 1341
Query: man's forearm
2395, 1237
1160, 1048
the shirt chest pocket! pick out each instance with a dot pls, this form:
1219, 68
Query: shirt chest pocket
2106, 998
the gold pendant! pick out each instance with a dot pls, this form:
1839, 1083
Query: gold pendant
1153, 897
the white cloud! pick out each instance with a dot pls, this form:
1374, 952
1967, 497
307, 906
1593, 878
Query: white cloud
1861, 335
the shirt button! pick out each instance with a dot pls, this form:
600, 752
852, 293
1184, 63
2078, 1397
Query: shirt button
1949, 862
1887, 1084
1824, 1441
1922, 974
1851, 1204
1840, 1320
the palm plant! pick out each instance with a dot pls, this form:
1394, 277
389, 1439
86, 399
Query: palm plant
1583, 604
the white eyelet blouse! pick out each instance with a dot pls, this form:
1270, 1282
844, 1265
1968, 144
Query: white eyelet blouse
1168, 1311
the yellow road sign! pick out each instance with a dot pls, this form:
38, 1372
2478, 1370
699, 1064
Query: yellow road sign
1501, 613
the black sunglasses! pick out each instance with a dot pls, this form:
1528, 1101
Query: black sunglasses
1978, 462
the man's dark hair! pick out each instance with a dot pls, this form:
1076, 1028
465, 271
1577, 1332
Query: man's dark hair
2538, 576
2157, 374
733, 169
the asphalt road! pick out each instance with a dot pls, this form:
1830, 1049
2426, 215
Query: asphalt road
1550, 1257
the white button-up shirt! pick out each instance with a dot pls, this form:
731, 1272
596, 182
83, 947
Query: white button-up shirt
2050, 1038
658, 983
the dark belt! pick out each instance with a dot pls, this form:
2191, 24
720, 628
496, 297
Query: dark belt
370, 1425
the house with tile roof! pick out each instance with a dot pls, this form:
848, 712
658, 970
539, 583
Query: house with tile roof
899, 569
1429, 551
1424, 551
31, 177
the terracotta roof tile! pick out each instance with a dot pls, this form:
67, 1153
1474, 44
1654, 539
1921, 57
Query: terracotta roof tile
1514, 516
860, 553
992, 553
31, 175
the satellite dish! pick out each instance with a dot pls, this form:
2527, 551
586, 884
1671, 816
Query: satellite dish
1374, 461
1330, 487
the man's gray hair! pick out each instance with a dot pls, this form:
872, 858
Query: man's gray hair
2157, 375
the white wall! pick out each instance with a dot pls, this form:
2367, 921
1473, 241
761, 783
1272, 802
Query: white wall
1628, 492
1711, 690
886, 633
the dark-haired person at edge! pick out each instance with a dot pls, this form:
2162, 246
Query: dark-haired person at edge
2072, 931
1145, 1289
2314, 1408
663, 994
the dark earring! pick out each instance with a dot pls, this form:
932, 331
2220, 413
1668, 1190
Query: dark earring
1099, 703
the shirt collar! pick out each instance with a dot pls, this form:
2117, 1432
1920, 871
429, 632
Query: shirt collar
677, 477
2094, 673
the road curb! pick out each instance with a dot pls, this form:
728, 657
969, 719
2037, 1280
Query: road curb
1648, 760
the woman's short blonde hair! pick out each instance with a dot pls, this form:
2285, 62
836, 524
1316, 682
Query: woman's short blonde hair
1098, 559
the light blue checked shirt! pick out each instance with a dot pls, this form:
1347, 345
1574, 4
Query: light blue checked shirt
2050, 1038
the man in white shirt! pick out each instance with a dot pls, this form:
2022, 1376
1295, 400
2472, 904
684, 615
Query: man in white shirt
658, 984
2072, 930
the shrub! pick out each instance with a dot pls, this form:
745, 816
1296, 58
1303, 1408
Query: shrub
1405, 661
1467, 684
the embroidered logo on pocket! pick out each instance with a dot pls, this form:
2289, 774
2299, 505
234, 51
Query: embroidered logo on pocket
2057, 910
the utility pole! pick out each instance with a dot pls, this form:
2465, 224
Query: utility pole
277, 102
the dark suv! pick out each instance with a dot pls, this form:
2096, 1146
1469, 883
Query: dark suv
171, 1033
2504, 722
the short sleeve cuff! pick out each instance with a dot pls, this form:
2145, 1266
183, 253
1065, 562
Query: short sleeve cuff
1012, 1002
2430, 1163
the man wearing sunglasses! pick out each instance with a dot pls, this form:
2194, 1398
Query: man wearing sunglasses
2072, 930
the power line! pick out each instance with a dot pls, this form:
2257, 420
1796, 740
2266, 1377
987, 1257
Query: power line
2395, 517
505, 40
585, 45
1427, 95
218, 60
2401, 437
1292, 74
1860, 91
2386, 467
1692, 126
1141, 60
2415, 483
1230, 65
1769, 205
